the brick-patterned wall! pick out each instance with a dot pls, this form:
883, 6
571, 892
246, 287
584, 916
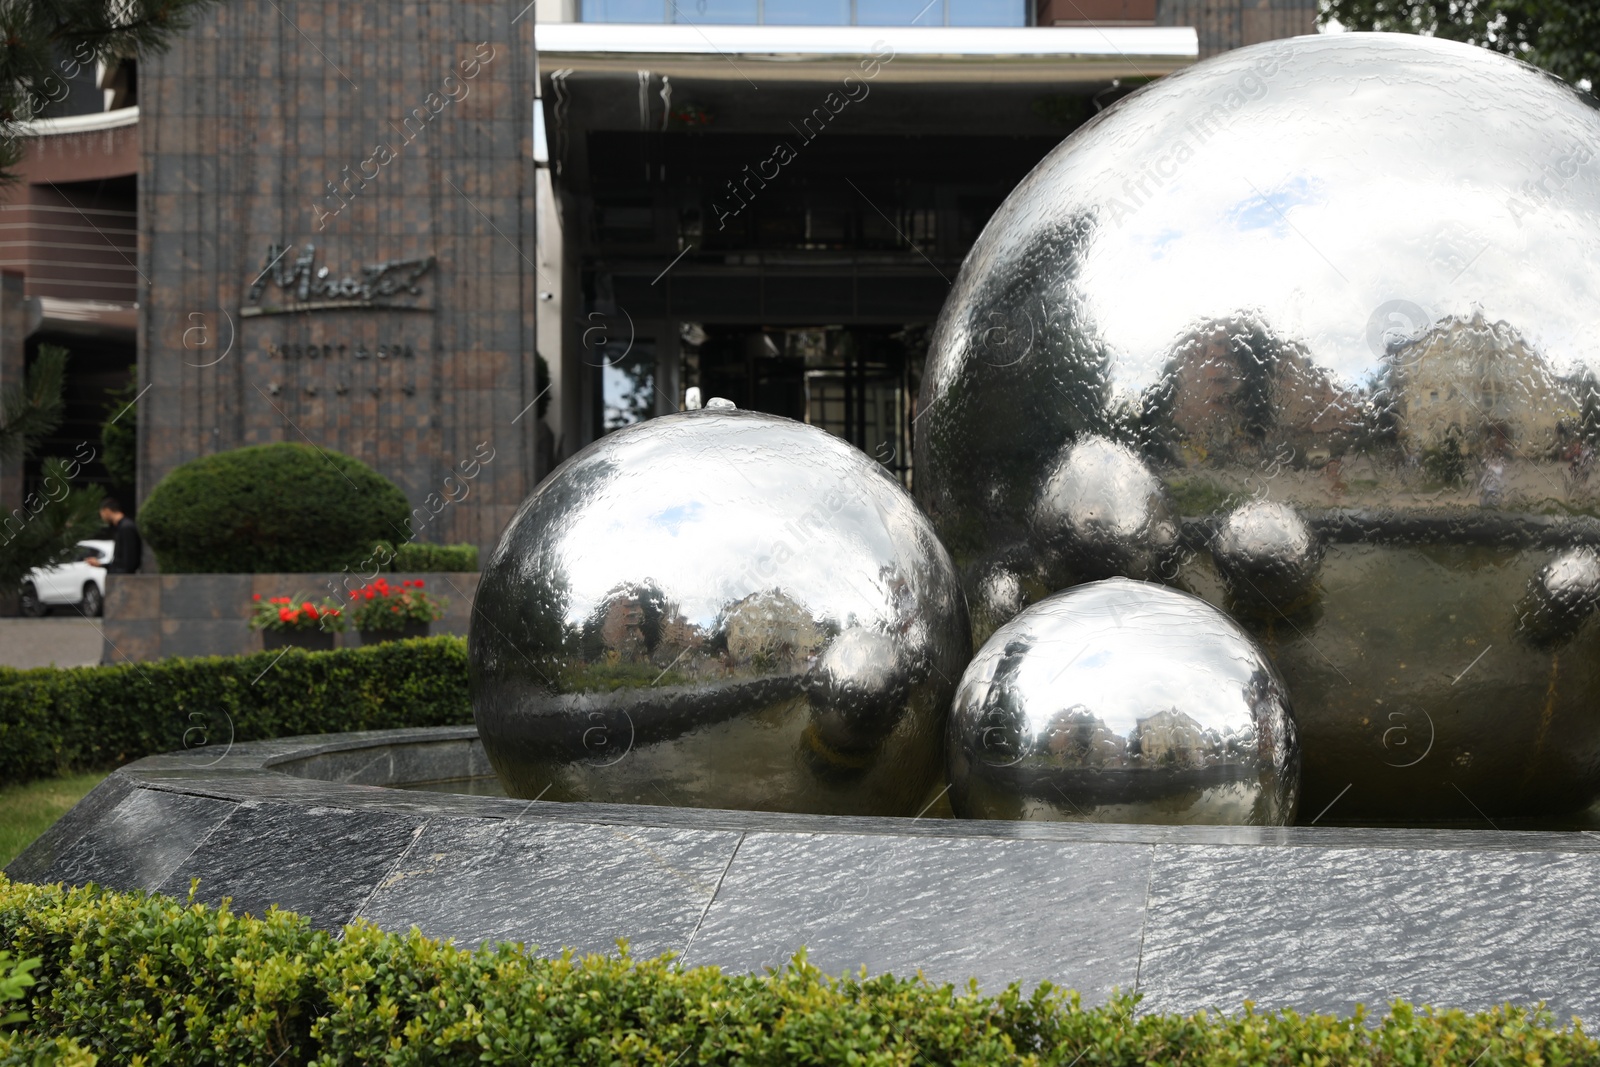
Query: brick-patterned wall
243, 123
1225, 24
1095, 12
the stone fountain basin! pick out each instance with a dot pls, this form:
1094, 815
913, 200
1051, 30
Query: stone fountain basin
1192, 917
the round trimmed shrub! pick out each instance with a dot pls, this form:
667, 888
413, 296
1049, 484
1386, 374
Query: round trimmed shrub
265, 508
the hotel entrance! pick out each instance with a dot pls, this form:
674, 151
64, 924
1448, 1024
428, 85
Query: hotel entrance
859, 383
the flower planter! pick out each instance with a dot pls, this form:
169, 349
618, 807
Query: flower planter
310, 640
405, 633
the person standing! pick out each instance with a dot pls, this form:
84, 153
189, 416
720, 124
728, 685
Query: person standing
126, 546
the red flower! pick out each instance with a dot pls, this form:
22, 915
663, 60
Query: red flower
285, 615
419, 583
256, 597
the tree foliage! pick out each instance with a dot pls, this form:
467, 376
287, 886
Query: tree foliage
1562, 36
54, 516
46, 43
31, 408
119, 438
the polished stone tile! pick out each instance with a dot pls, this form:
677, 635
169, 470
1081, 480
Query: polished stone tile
141, 841
1323, 929
957, 908
321, 862
36, 861
555, 885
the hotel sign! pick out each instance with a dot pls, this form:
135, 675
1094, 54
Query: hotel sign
286, 286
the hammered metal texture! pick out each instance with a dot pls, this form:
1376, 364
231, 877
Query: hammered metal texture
719, 608
1123, 701
1340, 296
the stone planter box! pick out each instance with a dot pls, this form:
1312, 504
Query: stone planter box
313, 641
151, 616
405, 633
1191, 917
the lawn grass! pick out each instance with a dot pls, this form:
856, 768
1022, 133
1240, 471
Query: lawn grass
26, 811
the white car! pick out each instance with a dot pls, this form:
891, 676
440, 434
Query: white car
72, 583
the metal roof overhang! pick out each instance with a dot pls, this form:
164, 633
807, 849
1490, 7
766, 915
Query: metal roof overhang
974, 54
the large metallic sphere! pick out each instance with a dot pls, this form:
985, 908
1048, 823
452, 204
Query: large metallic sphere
719, 609
1352, 276
1122, 701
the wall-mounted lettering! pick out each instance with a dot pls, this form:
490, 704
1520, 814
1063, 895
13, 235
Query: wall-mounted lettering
391, 284
339, 351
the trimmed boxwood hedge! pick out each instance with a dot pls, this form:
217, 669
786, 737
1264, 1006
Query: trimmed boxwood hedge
421, 557
267, 508
136, 978
54, 721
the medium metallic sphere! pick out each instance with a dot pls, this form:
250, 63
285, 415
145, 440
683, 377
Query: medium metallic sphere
719, 609
1353, 275
1122, 701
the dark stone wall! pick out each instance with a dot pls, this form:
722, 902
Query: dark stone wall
151, 616
420, 116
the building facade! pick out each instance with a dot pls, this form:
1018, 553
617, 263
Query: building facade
338, 247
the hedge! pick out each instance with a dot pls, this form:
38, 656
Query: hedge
141, 978
419, 557
54, 721
283, 507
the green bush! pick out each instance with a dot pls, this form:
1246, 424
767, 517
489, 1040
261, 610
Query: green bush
143, 978
283, 507
54, 721
412, 557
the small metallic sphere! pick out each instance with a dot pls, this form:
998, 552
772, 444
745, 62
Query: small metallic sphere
1101, 512
719, 608
855, 689
1268, 555
1561, 597
998, 591
1123, 701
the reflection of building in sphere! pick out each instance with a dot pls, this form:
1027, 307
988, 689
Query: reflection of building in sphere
1172, 739
1233, 391
1080, 736
771, 630
627, 623
1478, 388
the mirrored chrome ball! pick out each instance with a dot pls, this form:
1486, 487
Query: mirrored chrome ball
719, 609
1353, 275
1121, 701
